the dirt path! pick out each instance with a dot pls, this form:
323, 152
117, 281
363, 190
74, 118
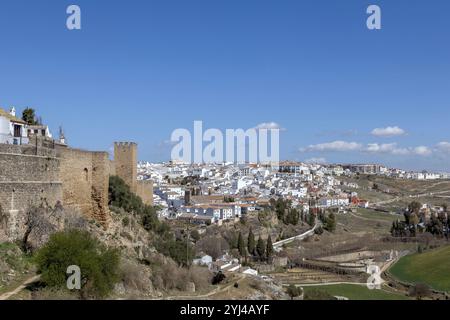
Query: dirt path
427, 194
324, 284
207, 295
7, 295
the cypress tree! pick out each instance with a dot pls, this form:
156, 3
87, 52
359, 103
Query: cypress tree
251, 242
241, 245
269, 248
261, 248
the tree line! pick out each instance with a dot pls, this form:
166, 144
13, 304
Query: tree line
416, 222
250, 247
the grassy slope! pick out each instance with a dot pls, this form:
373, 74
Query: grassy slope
432, 268
357, 292
376, 215
12, 257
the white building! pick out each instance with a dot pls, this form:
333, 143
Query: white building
249, 271
219, 212
12, 129
334, 202
38, 130
424, 176
204, 260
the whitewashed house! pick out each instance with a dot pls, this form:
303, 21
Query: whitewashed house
249, 271
39, 131
204, 260
12, 129
334, 202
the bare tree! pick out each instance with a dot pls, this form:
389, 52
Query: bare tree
37, 226
213, 246
41, 222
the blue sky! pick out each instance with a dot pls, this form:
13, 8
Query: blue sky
140, 69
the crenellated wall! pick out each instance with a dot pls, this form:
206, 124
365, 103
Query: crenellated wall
45, 173
34, 175
125, 163
125, 167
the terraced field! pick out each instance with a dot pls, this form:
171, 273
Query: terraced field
299, 275
357, 292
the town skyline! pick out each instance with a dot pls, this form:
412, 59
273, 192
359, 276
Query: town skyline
370, 150
340, 92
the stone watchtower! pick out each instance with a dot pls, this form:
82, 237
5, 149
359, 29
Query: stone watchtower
125, 159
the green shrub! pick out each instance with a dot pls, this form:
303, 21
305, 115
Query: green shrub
120, 196
150, 219
294, 291
178, 250
126, 222
99, 265
330, 223
218, 278
12, 256
195, 235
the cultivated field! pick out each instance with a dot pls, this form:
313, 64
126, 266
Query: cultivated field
357, 292
432, 268
305, 276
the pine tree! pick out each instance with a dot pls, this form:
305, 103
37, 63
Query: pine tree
29, 116
251, 242
269, 248
414, 207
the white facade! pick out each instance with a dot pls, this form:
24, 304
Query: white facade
203, 261
12, 129
334, 202
250, 271
39, 130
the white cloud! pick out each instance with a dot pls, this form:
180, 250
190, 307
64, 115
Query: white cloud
337, 146
443, 146
269, 126
401, 151
388, 132
391, 148
373, 148
381, 148
422, 151
316, 161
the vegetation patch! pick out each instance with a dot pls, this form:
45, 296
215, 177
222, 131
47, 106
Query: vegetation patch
99, 265
431, 267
